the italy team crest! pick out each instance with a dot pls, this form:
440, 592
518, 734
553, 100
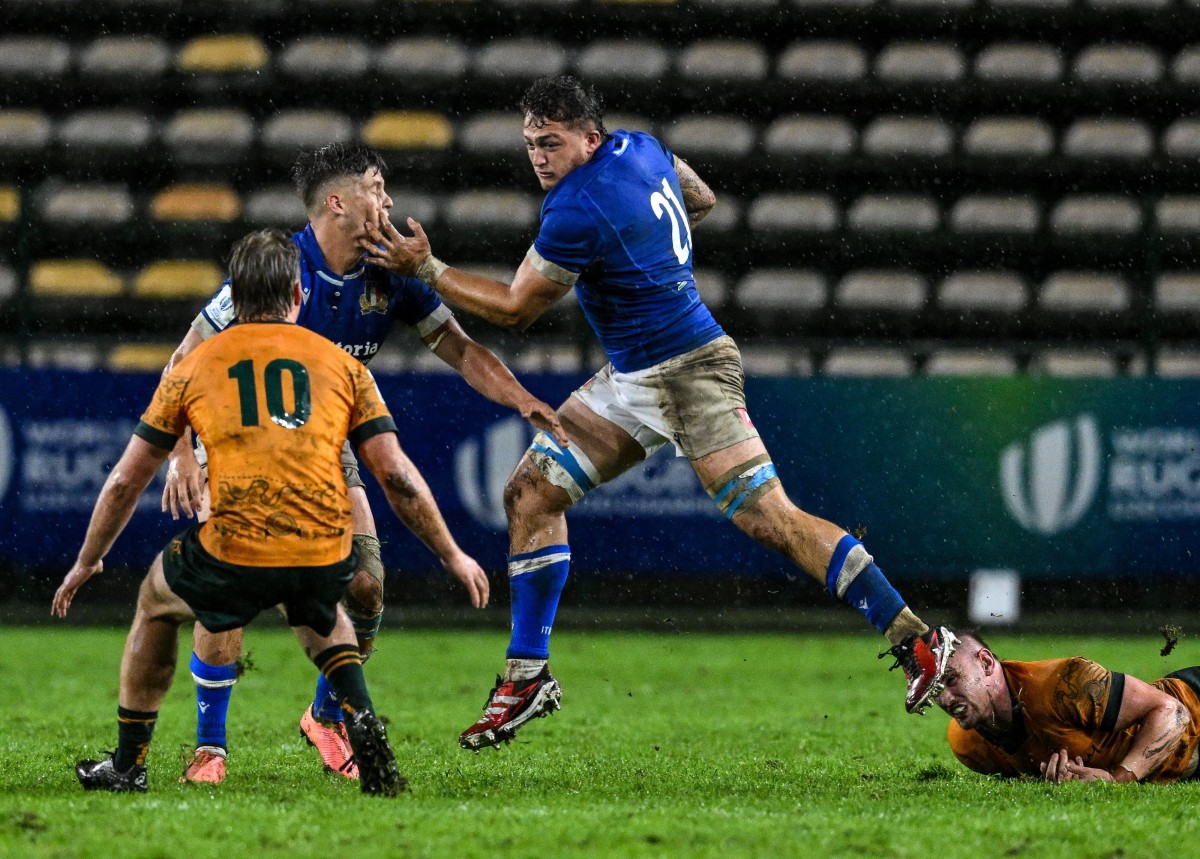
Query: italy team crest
372, 301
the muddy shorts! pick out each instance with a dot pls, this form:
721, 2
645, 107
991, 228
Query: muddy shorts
695, 401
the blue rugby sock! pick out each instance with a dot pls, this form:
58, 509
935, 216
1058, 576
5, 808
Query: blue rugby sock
536, 580
214, 686
325, 702
854, 579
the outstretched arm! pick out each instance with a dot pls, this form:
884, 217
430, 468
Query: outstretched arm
515, 306
487, 374
118, 498
1161, 721
410, 499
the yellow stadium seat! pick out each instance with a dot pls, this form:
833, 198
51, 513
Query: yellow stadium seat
197, 202
177, 279
222, 55
397, 129
10, 204
137, 357
74, 278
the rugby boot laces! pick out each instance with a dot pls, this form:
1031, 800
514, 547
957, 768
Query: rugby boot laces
924, 658
510, 705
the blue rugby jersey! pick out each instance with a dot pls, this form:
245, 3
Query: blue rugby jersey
618, 222
356, 310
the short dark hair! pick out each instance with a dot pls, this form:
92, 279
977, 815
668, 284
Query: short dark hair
312, 170
263, 265
968, 632
565, 99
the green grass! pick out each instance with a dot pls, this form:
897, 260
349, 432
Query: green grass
668, 745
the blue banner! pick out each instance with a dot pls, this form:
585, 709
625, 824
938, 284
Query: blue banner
1042, 476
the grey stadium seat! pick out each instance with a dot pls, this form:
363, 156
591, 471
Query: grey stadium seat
1074, 363
1096, 215
209, 136
1108, 139
983, 292
630, 122
723, 221
1019, 63
881, 289
131, 59
70, 206
711, 137
325, 60
866, 362
506, 60
722, 61
1107, 64
1074, 292
473, 211
278, 206
907, 137
713, 286
1141, 6
623, 60
288, 132
793, 213
1178, 293
775, 361
1008, 137
830, 62
424, 61
1181, 139
1177, 363
1039, 6
768, 292
1014, 214
103, 133
1178, 215
893, 213
809, 136
1185, 67
970, 362
905, 63
32, 60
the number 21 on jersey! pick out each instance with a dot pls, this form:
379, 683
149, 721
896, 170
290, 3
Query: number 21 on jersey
681, 232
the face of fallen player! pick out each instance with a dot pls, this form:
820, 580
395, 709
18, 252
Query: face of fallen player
364, 200
974, 683
557, 148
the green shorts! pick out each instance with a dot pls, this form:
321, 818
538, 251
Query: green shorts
227, 596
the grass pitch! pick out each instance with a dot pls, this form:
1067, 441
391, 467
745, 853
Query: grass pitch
667, 745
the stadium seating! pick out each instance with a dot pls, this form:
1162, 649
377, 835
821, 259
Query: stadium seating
1009, 180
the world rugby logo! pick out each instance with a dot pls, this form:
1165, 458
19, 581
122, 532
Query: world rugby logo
1050, 481
482, 466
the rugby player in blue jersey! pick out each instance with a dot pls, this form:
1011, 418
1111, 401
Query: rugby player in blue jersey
616, 226
355, 306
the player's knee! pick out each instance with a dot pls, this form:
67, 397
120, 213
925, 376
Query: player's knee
739, 490
364, 595
366, 588
531, 488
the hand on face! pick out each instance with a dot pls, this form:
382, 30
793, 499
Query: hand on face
386, 248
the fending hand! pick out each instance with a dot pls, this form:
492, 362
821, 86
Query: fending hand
387, 248
76, 576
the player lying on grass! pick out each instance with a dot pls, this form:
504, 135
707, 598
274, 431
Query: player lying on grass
616, 228
273, 404
1068, 719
